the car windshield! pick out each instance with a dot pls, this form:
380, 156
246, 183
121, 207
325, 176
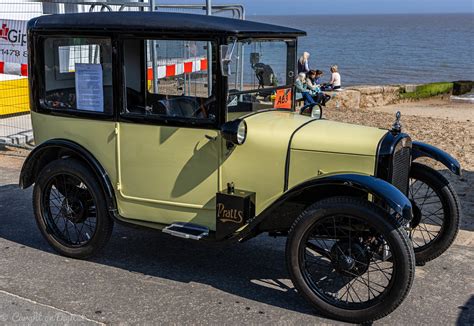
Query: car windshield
260, 73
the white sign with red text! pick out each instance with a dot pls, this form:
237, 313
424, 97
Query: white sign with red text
13, 49
13, 41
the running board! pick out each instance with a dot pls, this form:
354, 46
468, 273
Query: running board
187, 230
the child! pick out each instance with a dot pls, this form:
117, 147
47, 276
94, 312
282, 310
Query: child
335, 78
335, 82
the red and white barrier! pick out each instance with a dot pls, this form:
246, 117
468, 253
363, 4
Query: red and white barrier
10, 68
163, 70
179, 68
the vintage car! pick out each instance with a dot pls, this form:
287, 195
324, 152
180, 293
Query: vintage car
187, 124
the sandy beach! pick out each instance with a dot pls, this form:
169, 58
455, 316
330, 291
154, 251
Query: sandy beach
437, 107
447, 125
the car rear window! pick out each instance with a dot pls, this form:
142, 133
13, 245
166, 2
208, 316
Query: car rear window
78, 74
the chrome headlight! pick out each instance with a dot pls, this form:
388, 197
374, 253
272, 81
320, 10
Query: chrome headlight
234, 131
241, 132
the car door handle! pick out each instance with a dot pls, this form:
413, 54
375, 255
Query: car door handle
211, 137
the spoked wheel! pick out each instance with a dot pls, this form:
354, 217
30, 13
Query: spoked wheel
436, 213
350, 260
70, 209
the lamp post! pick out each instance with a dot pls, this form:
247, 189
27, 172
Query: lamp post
209, 53
152, 47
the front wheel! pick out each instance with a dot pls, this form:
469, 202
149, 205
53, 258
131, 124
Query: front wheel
350, 259
436, 213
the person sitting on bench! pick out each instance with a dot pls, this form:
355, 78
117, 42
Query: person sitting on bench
302, 91
315, 89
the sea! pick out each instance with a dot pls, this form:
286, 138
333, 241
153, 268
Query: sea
387, 49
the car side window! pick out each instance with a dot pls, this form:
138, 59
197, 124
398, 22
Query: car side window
168, 79
78, 74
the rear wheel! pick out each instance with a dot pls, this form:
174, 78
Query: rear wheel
350, 259
70, 209
436, 213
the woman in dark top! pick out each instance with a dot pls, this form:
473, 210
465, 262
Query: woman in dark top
313, 85
303, 63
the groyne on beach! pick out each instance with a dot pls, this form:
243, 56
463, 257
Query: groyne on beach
367, 96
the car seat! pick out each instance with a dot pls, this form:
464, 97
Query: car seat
186, 107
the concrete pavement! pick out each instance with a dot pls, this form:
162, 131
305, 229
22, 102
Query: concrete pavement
16, 130
17, 310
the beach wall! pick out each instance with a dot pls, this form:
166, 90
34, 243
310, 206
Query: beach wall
356, 97
364, 96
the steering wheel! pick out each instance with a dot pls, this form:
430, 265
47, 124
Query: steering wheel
197, 111
203, 107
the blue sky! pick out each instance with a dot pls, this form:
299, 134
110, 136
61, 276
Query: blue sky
275, 7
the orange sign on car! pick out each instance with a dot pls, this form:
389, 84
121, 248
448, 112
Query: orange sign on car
283, 99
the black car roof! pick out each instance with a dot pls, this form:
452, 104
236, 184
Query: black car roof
159, 22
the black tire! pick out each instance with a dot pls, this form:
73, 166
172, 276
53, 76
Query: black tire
70, 209
437, 213
380, 225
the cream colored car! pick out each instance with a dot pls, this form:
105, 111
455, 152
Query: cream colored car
187, 124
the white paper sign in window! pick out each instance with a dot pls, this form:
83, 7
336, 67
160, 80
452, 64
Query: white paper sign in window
89, 87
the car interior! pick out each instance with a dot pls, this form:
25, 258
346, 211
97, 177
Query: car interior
171, 102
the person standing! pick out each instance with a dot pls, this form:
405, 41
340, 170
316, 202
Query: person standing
303, 63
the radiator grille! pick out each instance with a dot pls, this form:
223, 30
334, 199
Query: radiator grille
401, 167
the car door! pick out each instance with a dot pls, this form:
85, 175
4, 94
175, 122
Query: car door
168, 146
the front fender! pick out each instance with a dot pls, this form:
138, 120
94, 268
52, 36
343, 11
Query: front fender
394, 198
426, 150
346, 182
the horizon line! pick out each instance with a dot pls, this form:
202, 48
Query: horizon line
366, 14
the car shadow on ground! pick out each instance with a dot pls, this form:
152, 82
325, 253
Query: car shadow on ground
464, 188
253, 270
466, 316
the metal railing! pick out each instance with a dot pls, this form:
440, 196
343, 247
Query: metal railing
235, 10
71, 6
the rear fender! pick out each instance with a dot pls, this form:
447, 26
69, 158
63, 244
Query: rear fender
420, 149
56, 149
